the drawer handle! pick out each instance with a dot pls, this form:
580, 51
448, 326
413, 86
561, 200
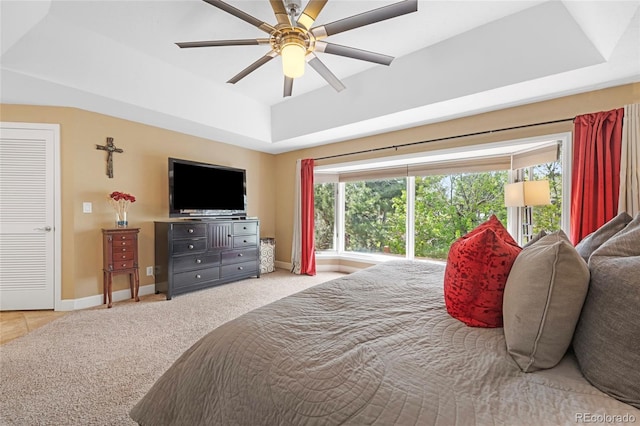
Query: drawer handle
123, 243
124, 264
190, 246
198, 276
229, 235
240, 254
124, 249
198, 260
124, 257
124, 238
240, 268
190, 231
244, 227
244, 241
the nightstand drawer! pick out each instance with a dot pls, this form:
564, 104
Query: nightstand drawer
119, 256
123, 249
121, 265
245, 228
123, 237
118, 243
189, 230
196, 261
236, 256
245, 241
189, 246
185, 279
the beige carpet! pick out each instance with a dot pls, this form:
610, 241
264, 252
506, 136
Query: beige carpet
90, 367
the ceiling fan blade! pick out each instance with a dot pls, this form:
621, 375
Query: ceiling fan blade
310, 13
254, 66
322, 69
366, 18
267, 28
352, 52
288, 86
281, 13
213, 43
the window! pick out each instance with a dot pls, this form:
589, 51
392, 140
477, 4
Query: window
416, 206
325, 216
447, 207
375, 216
548, 218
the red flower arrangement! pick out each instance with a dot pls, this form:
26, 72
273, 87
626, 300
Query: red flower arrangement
120, 202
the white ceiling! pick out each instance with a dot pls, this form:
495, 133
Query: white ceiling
453, 58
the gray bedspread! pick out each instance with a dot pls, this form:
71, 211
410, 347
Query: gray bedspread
374, 347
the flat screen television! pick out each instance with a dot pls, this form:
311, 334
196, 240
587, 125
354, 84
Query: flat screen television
206, 190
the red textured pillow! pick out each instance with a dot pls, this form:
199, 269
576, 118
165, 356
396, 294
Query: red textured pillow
477, 269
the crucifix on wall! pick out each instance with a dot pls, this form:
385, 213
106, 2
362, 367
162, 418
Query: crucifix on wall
110, 148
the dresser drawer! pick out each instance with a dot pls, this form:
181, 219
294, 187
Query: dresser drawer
245, 228
243, 268
236, 256
189, 230
185, 279
196, 261
118, 265
245, 241
181, 247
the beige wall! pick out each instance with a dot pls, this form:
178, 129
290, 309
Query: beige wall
557, 109
142, 171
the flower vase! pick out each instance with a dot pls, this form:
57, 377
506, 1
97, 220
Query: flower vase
121, 220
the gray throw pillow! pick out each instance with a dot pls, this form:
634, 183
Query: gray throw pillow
543, 297
607, 337
591, 242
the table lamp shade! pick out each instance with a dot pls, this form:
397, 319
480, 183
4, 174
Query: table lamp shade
528, 193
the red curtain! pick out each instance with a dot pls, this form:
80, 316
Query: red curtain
308, 261
595, 181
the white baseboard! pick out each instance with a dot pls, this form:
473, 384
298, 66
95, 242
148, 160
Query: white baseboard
283, 265
120, 295
96, 300
320, 268
337, 268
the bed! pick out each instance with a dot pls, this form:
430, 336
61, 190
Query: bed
374, 347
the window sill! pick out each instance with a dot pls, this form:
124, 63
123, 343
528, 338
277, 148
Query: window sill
372, 259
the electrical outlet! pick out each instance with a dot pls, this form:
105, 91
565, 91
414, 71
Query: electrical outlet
149, 271
86, 207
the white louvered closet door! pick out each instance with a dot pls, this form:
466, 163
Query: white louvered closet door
27, 196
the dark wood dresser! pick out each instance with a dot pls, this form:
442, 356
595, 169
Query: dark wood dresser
120, 256
192, 255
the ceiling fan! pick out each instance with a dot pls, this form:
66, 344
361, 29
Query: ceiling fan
296, 40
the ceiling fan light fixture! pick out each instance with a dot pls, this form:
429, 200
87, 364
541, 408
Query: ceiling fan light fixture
293, 59
295, 39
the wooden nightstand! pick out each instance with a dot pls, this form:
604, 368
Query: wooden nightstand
120, 256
